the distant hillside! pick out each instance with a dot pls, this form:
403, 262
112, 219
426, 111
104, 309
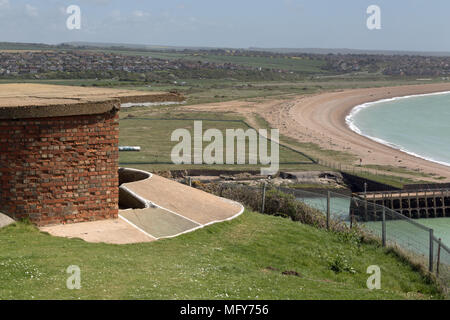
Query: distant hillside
131, 46
351, 51
142, 47
276, 50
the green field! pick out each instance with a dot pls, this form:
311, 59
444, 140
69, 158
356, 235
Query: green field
392, 180
240, 259
154, 137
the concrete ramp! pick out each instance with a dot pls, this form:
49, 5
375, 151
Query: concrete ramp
115, 231
5, 220
158, 222
164, 209
172, 208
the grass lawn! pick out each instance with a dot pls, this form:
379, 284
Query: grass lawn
154, 137
395, 181
403, 170
240, 259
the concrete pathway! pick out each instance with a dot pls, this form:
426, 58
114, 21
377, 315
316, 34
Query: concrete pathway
5, 220
114, 231
198, 206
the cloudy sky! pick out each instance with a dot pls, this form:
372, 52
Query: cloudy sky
421, 25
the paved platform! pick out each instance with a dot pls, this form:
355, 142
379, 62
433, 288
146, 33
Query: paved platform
5, 220
114, 231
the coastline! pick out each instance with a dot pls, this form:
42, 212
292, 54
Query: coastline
350, 121
321, 119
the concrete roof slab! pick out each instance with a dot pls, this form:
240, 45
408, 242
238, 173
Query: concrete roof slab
26, 100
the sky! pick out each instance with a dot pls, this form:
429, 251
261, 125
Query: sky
411, 25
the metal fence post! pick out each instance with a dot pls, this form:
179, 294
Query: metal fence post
351, 218
263, 197
190, 181
328, 210
430, 262
365, 202
383, 227
438, 257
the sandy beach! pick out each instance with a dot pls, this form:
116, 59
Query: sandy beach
320, 119
325, 115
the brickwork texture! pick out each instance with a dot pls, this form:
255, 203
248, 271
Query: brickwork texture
60, 169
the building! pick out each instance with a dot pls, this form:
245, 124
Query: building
59, 151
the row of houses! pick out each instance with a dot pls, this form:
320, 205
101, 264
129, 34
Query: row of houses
34, 62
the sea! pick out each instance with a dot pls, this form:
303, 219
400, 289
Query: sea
418, 125
404, 232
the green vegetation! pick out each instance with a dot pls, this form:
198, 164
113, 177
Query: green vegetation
240, 259
332, 187
401, 170
198, 90
302, 75
287, 63
277, 203
252, 257
153, 134
395, 181
311, 149
298, 64
151, 129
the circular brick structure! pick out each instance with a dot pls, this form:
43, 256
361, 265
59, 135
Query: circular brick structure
59, 152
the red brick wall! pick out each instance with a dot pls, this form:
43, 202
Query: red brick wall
61, 169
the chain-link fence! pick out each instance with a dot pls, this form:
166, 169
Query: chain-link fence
413, 239
441, 263
394, 229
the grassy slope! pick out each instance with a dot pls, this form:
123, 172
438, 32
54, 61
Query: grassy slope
226, 260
